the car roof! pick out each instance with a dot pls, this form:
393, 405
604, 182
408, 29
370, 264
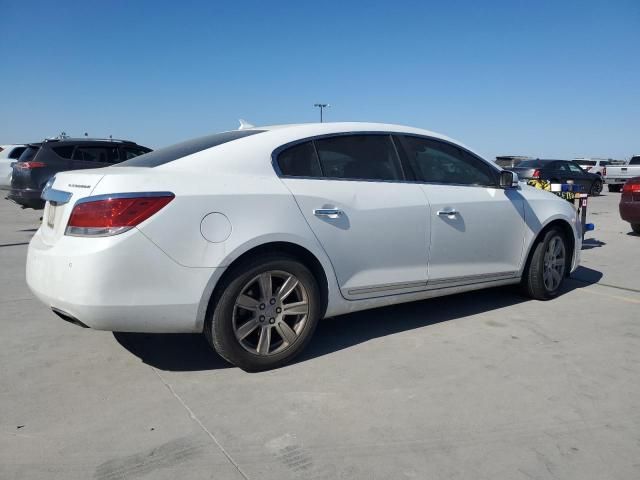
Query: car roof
247, 154
88, 140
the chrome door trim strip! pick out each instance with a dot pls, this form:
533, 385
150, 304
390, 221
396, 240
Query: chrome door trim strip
386, 287
471, 278
434, 284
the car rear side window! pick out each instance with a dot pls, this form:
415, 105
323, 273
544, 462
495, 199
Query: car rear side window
64, 151
96, 154
434, 161
300, 161
359, 157
179, 150
132, 152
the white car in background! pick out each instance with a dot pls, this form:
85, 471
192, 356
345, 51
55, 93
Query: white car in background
252, 236
596, 165
9, 154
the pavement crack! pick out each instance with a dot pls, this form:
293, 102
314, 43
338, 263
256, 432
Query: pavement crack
200, 424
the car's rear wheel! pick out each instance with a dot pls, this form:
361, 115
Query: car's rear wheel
635, 227
265, 314
545, 272
596, 188
614, 188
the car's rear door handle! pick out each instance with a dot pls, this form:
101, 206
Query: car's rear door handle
327, 212
448, 212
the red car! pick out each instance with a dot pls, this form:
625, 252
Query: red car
630, 203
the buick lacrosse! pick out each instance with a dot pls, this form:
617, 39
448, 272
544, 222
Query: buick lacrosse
252, 236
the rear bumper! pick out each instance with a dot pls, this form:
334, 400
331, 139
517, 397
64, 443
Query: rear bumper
26, 197
630, 211
615, 180
122, 283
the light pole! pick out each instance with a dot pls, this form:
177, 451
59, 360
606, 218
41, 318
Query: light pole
321, 106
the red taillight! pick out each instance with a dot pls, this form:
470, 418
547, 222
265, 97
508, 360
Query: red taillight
29, 165
113, 215
536, 173
631, 187
604, 171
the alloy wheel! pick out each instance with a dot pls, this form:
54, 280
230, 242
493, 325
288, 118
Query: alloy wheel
270, 312
554, 263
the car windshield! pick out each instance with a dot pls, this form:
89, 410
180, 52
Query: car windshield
179, 150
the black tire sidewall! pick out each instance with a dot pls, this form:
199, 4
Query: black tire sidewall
219, 327
596, 188
534, 280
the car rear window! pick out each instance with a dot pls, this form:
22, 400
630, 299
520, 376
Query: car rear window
591, 163
531, 164
29, 153
179, 150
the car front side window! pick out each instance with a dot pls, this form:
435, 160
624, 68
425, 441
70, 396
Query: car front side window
434, 161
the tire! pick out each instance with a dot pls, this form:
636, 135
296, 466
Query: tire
614, 188
237, 327
538, 282
635, 227
596, 188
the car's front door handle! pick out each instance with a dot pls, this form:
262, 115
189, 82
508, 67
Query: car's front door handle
327, 212
448, 212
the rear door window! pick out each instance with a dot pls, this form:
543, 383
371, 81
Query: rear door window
96, 154
359, 157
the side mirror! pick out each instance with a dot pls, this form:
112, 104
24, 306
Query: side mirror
508, 179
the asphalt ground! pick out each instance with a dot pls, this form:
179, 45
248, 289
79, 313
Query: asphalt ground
484, 385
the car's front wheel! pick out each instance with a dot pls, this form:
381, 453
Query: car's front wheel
545, 272
596, 188
635, 227
265, 313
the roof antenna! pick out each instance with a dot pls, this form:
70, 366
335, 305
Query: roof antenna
244, 124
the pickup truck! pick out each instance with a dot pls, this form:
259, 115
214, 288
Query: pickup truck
616, 176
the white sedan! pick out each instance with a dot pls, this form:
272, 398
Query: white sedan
252, 236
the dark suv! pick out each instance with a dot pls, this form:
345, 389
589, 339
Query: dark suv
41, 161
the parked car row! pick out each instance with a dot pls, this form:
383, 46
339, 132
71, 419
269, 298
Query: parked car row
559, 171
27, 174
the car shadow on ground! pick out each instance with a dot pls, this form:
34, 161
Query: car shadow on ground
191, 352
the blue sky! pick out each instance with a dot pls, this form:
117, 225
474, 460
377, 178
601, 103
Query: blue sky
543, 78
